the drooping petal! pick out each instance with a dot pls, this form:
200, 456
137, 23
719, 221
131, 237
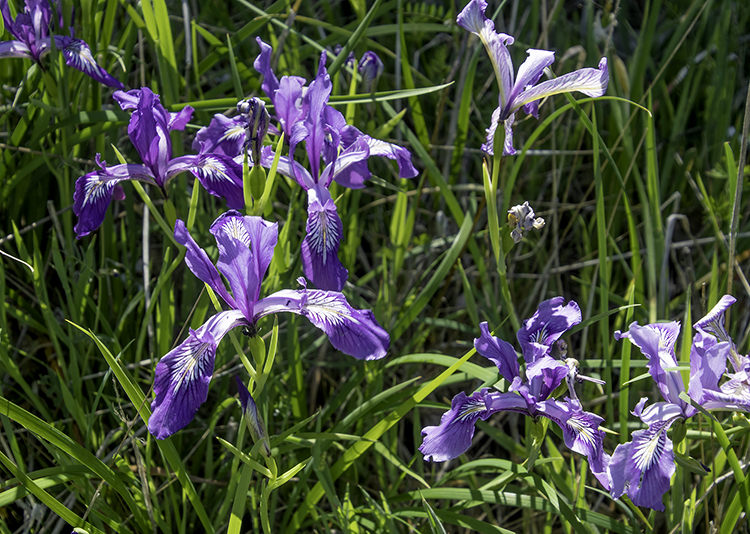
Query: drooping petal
473, 18
581, 433
453, 436
220, 175
590, 82
549, 322
643, 467
245, 250
183, 375
499, 352
15, 49
199, 263
94, 191
78, 55
253, 421
354, 332
320, 248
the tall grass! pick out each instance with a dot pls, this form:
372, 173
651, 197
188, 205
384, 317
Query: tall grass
638, 190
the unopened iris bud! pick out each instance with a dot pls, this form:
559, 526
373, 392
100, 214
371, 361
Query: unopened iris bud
256, 117
521, 219
351, 59
370, 68
252, 419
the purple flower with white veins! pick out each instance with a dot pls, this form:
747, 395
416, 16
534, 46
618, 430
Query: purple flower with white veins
530, 397
246, 246
31, 30
525, 91
149, 129
643, 467
303, 114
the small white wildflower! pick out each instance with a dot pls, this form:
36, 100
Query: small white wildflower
521, 219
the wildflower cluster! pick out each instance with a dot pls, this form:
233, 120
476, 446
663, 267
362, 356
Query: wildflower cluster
246, 243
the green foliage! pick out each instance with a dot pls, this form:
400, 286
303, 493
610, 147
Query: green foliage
637, 188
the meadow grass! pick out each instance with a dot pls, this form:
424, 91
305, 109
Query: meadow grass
642, 192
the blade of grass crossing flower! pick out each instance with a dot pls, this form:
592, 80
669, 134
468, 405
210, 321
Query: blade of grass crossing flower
411, 313
354, 39
167, 447
271, 176
601, 227
385, 129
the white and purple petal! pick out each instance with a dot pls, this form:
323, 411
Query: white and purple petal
183, 375
354, 332
452, 437
644, 467
78, 55
713, 322
94, 191
320, 259
473, 18
499, 352
591, 82
531, 71
220, 175
15, 49
581, 433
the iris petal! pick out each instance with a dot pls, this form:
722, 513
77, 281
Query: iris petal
183, 375
320, 248
354, 332
94, 191
78, 55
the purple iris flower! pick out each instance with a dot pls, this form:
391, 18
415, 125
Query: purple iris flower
246, 247
370, 68
303, 114
530, 397
712, 347
644, 466
149, 129
31, 30
525, 91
